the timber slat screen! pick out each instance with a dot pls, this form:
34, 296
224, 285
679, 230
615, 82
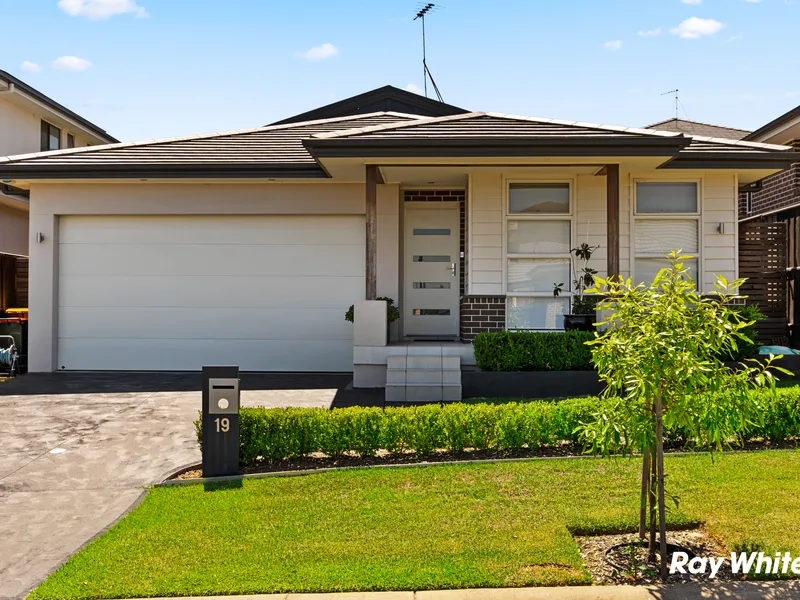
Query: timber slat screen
762, 261
793, 255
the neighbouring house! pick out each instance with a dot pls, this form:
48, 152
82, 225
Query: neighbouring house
29, 122
775, 198
771, 208
248, 247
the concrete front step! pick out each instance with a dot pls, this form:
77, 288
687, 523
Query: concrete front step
423, 393
424, 362
423, 376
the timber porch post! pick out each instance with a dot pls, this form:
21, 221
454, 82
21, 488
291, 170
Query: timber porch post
612, 219
373, 178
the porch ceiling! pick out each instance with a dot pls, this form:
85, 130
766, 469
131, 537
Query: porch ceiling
458, 175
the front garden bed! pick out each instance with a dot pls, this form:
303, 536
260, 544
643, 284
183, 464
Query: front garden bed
294, 435
317, 461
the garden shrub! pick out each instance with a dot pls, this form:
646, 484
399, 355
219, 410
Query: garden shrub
534, 351
276, 434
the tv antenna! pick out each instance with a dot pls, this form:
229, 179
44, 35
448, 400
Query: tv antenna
426, 72
677, 101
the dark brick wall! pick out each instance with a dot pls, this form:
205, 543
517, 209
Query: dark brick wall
778, 191
481, 313
459, 196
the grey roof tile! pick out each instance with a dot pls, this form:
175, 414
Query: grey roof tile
279, 144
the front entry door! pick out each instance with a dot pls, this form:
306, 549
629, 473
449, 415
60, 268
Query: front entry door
431, 269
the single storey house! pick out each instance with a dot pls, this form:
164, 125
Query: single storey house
248, 247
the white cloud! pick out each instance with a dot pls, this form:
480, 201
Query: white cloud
414, 88
30, 67
101, 9
320, 52
755, 1
692, 1
71, 63
613, 45
693, 28
650, 32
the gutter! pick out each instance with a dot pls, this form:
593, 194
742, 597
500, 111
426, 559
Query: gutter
172, 171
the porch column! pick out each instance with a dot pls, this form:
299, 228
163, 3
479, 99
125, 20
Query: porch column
612, 219
373, 178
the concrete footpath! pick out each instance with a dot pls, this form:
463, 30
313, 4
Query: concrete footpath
772, 590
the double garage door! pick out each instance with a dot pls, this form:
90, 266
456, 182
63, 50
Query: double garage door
267, 293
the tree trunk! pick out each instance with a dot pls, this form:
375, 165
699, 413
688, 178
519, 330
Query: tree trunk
645, 493
651, 493
662, 509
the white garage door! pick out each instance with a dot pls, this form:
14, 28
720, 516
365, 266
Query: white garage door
267, 293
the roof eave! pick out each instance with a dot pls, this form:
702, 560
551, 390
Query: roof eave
724, 160
173, 171
480, 147
774, 124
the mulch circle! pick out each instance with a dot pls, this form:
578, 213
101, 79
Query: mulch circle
630, 558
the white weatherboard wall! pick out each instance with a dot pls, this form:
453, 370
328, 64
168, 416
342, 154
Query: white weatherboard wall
486, 244
310, 244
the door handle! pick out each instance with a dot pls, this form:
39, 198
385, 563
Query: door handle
453, 269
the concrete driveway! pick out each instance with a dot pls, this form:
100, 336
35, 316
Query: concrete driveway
77, 450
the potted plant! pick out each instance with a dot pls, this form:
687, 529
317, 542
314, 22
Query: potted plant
582, 316
392, 313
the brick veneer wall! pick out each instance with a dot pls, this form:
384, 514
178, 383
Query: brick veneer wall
778, 191
481, 313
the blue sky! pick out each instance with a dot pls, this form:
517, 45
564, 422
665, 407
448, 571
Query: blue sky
145, 69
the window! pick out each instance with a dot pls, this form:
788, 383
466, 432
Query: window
666, 218
538, 240
51, 137
70, 140
748, 202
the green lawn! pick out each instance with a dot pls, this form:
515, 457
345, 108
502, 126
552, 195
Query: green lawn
418, 528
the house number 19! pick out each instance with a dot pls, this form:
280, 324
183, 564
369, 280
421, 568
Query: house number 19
223, 425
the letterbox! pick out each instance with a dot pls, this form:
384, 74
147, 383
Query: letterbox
220, 421
223, 396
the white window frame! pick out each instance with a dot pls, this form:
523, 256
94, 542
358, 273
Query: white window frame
509, 216
696, 216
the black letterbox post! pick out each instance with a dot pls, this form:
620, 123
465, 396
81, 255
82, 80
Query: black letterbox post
220, 421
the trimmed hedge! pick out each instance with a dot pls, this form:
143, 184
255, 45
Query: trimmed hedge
534, 351
277, 434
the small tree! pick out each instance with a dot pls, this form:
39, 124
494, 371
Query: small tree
661, 357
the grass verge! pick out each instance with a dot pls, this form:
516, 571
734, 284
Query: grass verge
452, 526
